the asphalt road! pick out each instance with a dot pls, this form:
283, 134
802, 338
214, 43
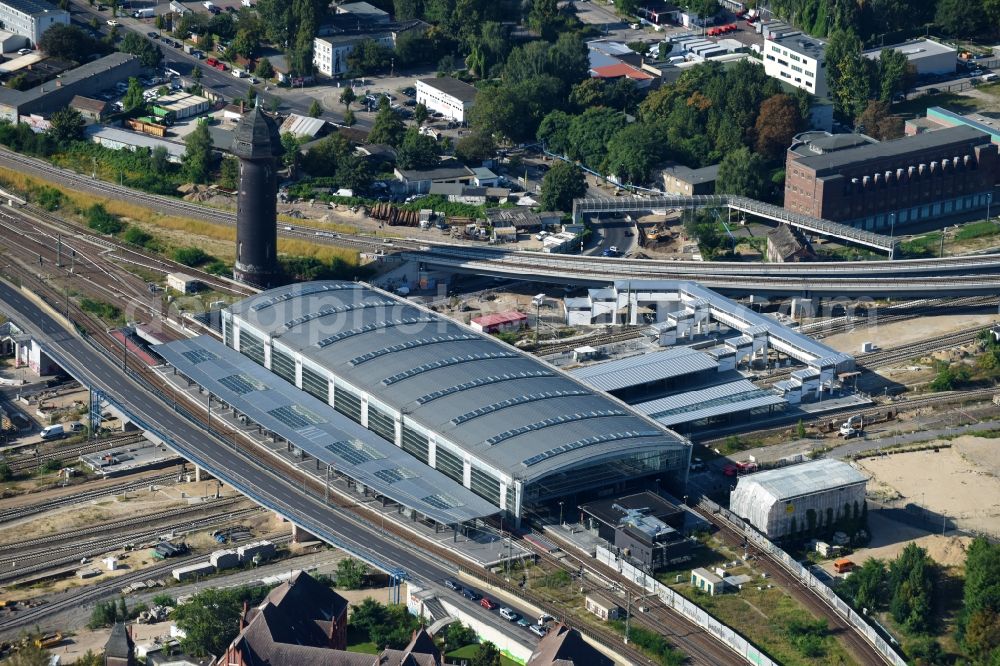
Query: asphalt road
262, 485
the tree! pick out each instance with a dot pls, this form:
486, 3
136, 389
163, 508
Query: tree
554, 131
290, 150
315, 110
961, 18
850, 75
893, 72
347, 97
486, 654
633, 152
369, 57
66, 125
743, 173
877, 121
229, 173
326, 155
160, 23
133, 99
912, 578
475, 147
29, 655
351, 573
349, 118
704, 8
388, 127
6, 474
149, 54
458, 635
197, 158
211, 619
978, 630
563, 183
778, 121
589, 133
567, 59
196, 73
264, 69
417, 151
420, 114
69, 42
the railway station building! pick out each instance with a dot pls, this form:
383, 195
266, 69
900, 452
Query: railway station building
470, 420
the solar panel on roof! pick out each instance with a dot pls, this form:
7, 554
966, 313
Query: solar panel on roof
454, 360
555, 420
516, 400
197, 356
295, 416
374, 326
442, 501
241, 384
589, 441
411, 344
355, 453
483, 381
395, 474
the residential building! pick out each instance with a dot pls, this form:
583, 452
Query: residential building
784, 501
564, 646
31, 18
483, 177
330, 54
304, 127
624, 71
446, 95
798, 60
896, 183
924, 56
300, 621
679, 180
91, 109
603, 606
786, 244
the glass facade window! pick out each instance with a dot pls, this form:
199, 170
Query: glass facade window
227, 332
485, 485
511, 497
415, 443
283, 365
450, 465
315, 384
381, 424
252, 347
348, 404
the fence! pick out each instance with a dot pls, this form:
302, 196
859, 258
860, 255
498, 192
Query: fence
809, 580
685, 607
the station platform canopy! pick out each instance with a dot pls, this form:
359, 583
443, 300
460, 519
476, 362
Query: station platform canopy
319, 431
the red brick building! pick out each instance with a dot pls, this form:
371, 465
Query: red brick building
882, 186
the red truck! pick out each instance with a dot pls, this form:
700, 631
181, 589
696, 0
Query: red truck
212, 62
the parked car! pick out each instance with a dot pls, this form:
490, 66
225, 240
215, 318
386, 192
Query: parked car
113, 23
471, 594
152, 35
509, 614
409, 91
23, 51
523, 623
538, 630
452, 585
488, 603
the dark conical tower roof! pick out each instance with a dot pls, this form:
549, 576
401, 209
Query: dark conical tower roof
257, 137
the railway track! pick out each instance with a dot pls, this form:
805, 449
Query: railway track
107, 588
864, 651
18, 513
29, 461
896, 313
593, 341
58, 556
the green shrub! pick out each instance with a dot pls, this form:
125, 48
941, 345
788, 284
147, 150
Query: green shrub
101, 221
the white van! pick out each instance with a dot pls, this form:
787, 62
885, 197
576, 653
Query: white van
53, 432
238, 73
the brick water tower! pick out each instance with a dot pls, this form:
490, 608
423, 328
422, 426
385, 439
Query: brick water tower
257, 144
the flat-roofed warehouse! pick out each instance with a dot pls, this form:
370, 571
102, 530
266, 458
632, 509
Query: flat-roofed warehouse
501, 423
779, 502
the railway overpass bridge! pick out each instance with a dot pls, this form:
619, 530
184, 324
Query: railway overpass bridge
814, 225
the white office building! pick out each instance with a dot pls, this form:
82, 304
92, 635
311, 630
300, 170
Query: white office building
798, 60
330, 54
449, 96
30, 18
926, 56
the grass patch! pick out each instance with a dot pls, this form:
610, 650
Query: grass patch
928, 245
105, 311
977, 230
950, 101
358, 641
469, 651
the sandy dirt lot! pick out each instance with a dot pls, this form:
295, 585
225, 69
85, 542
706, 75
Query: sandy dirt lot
899, 333
962, 482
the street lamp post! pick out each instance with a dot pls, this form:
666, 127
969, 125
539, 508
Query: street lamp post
560, 512
989, 200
